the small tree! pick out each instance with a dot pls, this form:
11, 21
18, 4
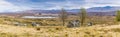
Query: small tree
63, 16
118, 15
82, 15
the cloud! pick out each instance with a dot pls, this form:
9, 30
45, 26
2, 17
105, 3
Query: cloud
98, 3
48, 4
76, 4
18, 5
8, 7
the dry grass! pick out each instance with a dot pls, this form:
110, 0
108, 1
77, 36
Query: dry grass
93, 31
109, 20
105, 27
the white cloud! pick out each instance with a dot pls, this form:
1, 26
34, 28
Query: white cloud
98, 3
67, 4
71, 4
6, 7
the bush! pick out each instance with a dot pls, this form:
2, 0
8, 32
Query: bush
118, 15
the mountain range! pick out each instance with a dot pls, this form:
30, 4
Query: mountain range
106, 10
93, 9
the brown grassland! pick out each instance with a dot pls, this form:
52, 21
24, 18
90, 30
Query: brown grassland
104, 26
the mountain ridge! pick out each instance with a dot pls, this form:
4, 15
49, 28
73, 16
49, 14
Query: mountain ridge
93, 9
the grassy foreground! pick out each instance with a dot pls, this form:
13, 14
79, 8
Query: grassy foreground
103, 27
58, 31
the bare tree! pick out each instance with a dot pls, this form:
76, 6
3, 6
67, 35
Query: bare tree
82, 15
63, 16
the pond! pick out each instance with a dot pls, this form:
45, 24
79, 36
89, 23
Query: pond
39, 17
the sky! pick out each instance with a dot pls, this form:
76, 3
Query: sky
20, 5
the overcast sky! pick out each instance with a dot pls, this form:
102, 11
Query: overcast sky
18, 5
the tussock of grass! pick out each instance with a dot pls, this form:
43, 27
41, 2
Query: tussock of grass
116, 29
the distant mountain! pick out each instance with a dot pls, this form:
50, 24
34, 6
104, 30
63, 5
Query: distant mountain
107, 10
103, 9
98, 9
93, 9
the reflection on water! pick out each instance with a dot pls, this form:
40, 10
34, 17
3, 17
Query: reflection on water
39, 17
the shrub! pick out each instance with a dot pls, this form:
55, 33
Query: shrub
118, 15
82, 15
